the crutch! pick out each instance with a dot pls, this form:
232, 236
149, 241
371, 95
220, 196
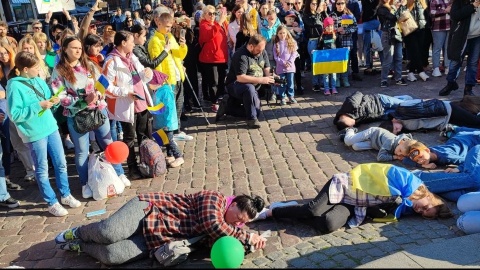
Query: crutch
195, 95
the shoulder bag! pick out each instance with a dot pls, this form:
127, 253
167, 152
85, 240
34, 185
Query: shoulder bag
407, 23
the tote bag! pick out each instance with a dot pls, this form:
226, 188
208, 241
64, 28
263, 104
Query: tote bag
407, 23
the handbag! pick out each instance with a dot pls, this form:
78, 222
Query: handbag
407, 23
87, 120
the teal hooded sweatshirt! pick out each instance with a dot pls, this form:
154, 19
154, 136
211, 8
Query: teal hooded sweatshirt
24, 107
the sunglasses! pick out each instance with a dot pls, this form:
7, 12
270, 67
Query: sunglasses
38, 28
212, 13
93, 26
289, 4
339, 3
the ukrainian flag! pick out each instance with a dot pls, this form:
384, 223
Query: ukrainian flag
157, 109
102, 84
347, 19
161, 137
330, 61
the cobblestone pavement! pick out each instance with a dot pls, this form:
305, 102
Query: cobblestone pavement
290, 157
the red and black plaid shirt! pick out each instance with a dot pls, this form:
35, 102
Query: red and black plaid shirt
172, 217
440, 19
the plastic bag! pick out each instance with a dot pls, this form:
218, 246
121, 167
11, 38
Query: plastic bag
103, 179
376, 41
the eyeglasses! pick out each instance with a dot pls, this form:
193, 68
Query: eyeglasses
93, 26
289, 4
37, 28
129, 21
340, 3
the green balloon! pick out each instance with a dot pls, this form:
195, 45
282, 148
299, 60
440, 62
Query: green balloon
227, 252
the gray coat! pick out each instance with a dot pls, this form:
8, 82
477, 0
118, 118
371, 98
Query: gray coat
385, 142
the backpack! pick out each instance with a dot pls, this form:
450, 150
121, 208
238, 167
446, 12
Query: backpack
174, 253
152, 161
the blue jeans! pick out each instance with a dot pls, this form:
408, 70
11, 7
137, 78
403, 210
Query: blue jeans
286, 90
82, 144
115, 128
4, 195
329, 78
440, 41
392, 57
312, 45
389, 104
473, 50
367, 40
455, 183
52, 144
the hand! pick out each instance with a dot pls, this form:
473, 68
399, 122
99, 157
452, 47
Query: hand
257, 241
398, 157
46, 104
404, 2
447, 10
430, 166
167, 46
182, 41
295, 24
48, 16
148, 72
55, 100
267, 80
223, 17
91, 98
188, 22
95, 7
66, 13
452, 170
100, 57
2, 117
341, 30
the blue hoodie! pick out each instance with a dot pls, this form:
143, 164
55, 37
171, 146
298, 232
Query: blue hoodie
24, 106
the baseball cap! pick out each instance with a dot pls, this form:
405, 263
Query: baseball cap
328, 21
290, 14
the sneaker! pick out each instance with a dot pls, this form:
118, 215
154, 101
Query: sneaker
66, 236
70, 201
411, 77
424, 76
342, 133
169, 160
10, 203
222, 108
283, 102
182, 136
345, 83
337, 84
254, 123
282, 204
326, 92
87, 192
292, 100
71, 246
12, 186
120, 136
384, 84
125, 180
68, 143
401, 82
446, 71
57, 210
334, 91
436, 72
272, 99
261, 216
316, 88
29, 177
177, 162
214, 108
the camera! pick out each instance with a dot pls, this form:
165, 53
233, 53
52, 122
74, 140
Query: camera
279, 80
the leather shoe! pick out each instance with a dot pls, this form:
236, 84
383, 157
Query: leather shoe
254, 123
448, 89
468, 91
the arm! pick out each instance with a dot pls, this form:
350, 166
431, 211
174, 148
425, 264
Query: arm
384, 155
66, 100
178, 50
69, 20
145, 73
113, 91
17, 112
85, 24
459, 12
207, 32
145, 59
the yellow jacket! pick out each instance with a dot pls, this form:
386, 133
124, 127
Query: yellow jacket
175, 56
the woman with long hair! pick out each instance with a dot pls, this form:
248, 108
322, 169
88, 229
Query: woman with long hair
246, 31
27, 96
28, 44
7, 62
234, 27
45, 48
93, 45
78, 74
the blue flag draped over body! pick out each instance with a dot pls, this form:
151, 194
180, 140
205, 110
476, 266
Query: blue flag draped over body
330, 61
160, 137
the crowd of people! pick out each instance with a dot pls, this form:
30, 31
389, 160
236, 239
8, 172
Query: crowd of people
153, 55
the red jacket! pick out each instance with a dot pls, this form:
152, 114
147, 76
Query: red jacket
213, 40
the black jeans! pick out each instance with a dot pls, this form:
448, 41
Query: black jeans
326, 217
213, 80
247, 93
414, 43
138, 129
462, 117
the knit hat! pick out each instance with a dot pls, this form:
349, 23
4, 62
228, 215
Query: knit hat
327, 22
158, 78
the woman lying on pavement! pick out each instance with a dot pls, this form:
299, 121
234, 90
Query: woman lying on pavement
344, 198
150, 220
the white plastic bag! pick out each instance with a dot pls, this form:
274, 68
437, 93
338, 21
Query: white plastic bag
103, 179
376, 41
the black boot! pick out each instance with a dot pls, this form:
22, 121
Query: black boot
448, 89
468, 90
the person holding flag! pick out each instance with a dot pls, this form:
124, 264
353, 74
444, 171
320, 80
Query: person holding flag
129, 96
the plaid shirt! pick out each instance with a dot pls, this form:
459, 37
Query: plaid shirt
172, 217
341, 191
440, 19
347, 41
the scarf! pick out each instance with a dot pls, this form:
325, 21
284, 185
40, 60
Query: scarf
127, 61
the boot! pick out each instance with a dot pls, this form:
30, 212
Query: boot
468, 91
448, 89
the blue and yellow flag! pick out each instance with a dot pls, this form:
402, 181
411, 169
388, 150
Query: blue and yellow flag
347, 19
157, 109
161, 137
330, 61
102, 84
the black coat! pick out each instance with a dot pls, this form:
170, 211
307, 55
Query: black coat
460, 16
142, 54
362, 108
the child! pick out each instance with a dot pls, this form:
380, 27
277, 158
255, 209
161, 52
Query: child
168, 121
329, 40
27, 96
390, 146
285, 53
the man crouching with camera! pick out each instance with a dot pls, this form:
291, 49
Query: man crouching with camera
249, 69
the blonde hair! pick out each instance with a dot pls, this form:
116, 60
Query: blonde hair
411, 3
205, 10
40, 36
28, 40
246, 26
291, 43
441, 208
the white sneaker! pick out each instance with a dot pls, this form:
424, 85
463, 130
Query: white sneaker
182, 137
411, 77
57, 210
446, 71
87, 192
282, 204
260, 216
120, 136
436, 72
125, 180
68, 143
71, 201
424, 76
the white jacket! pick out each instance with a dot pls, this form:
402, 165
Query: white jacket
120, 106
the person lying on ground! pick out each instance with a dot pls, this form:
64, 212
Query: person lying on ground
150, 220
469, 221
344, 199
390, 146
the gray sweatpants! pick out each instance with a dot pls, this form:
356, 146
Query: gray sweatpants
119, 238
